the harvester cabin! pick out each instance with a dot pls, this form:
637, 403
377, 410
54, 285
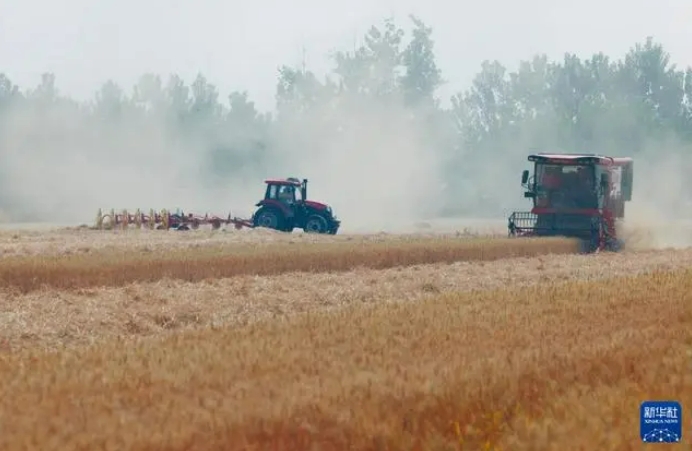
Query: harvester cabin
580, 182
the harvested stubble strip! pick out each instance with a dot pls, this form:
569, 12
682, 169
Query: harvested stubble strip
118, 268
553, 367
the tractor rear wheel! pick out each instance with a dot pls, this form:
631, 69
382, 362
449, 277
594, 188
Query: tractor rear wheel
269, 219
315, 224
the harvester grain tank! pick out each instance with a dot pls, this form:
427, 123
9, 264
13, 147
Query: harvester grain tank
576, 195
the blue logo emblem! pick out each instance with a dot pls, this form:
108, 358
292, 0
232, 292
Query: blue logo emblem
660, 422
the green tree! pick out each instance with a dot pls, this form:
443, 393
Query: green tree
178, 101
299, 91
241, 144
150, 95
9, 92
487, 107
110, 102
685, 123
46, 93
205, 105
422, 77
653, 85
373, 69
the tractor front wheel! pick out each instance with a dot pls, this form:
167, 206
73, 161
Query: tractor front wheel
315, 224
269, 219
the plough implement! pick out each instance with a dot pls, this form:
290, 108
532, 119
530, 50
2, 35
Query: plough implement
164, 220
284, 208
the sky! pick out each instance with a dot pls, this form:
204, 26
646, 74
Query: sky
240, 45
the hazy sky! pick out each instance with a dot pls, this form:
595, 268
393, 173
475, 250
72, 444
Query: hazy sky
239, 45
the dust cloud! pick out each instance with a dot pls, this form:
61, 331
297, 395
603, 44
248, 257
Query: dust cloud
660, 213
380, 165
61, 166
377, 164
370, 160
374, 163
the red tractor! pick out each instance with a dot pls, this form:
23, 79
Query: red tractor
576, 195
285, 206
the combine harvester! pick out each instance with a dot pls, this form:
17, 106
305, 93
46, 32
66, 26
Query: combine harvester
285, 207
576, 195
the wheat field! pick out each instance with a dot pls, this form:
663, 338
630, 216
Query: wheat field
161, 340
126, 265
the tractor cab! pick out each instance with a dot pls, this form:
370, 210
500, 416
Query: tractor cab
289, 191
286, 206
575, 195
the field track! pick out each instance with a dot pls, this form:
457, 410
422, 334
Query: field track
162, 341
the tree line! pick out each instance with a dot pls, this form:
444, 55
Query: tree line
596, 104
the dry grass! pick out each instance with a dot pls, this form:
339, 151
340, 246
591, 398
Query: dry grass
549, 367
53, 319
65, 241
524, 368
28, 273
48, 240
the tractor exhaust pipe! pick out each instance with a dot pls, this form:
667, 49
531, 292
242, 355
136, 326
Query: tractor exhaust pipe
304, 189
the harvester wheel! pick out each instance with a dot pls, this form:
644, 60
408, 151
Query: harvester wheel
588, 246
315, 224
215, 224
269, 219
616, 245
